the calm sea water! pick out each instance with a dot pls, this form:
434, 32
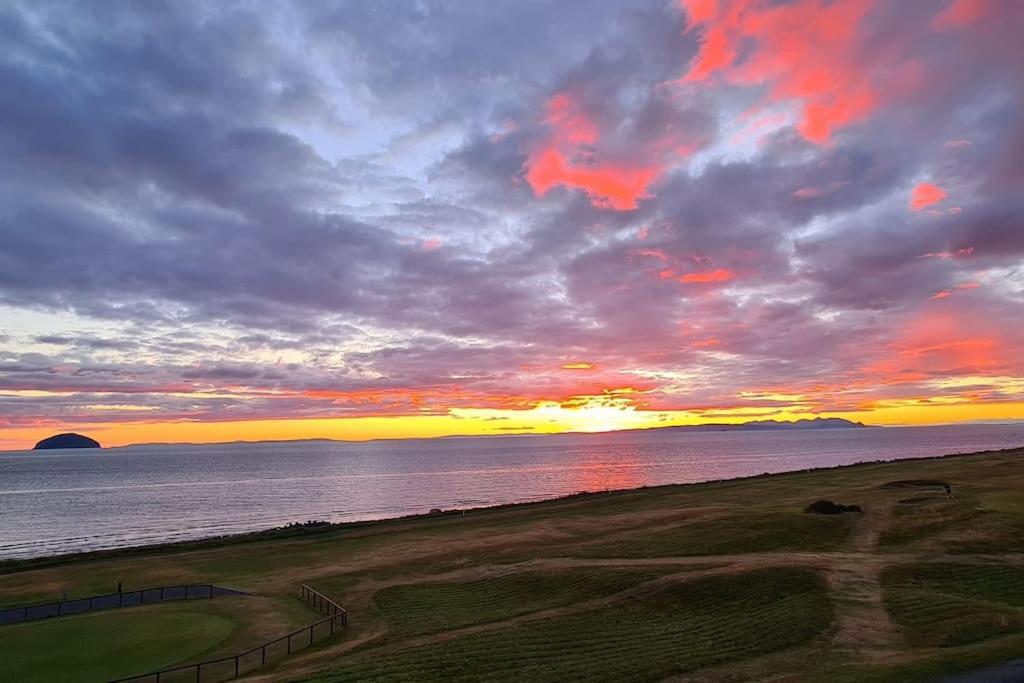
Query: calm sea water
67, 501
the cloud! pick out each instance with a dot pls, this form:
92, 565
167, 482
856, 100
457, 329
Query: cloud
926, 194
248, 212
805, 51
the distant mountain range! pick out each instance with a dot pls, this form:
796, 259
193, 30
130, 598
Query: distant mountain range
78, 441
773, 425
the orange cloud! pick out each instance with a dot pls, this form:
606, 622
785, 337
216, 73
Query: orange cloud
708, 343
567, 158
707, 276
804, 51
946, 293
925, 194
716, 275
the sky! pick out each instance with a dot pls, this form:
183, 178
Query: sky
274, 220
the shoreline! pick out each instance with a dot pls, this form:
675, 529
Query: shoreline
300, 530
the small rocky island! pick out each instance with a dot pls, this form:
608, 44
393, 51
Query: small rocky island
66, 441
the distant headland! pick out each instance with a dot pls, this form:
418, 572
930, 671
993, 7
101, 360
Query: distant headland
66, 441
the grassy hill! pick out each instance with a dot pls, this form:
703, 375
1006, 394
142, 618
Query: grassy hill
722, 581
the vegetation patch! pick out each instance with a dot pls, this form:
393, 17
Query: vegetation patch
683, 627
954, 604
827, 507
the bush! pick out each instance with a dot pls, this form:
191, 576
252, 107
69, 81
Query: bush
827, 507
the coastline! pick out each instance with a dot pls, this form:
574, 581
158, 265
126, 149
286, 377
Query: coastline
299, 530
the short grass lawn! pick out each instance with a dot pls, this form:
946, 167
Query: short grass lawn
105, 645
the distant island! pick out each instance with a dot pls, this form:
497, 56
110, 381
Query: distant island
773, 425
66, 441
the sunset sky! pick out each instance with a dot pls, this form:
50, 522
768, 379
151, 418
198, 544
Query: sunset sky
262, 220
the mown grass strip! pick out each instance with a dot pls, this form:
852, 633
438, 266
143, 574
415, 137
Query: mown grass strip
685, 626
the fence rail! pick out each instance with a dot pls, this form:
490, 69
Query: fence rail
226, 668
146, 596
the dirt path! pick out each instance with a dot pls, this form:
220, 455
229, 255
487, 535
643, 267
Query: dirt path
862, 623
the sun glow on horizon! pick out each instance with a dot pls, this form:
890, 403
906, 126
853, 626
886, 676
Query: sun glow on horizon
588, 414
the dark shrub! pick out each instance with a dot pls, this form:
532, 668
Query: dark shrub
827, 507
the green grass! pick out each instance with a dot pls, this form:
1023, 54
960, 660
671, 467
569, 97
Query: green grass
745, 532
105, 645
953, 604
680, 628
430, 607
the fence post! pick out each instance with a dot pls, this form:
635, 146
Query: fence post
332, 626
289, 643
198, 667
236, 666
25, 618
90, 603
263, 656
161, 593
311, 636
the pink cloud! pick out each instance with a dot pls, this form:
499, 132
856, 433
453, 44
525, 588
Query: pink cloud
926, 194
959, 253
804, 51
957, 144
566, 157
959, 13
609, 186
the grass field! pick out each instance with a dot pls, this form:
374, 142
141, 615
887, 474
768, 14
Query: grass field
105, 645
723, 581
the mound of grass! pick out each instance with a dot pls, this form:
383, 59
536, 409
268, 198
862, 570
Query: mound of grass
736, 533
955, 604
920, 518
105, 645
430, 607
680, 628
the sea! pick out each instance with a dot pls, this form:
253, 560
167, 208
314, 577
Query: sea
56, 502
